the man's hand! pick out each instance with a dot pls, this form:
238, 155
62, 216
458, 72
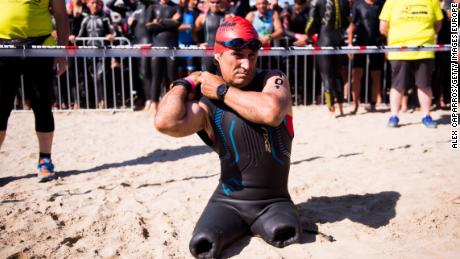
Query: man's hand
109, 37
264, 40
209, 84
72, 38
60, 65
350, 56
301, 37
300, 43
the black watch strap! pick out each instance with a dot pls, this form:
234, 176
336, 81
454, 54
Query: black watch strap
184, 83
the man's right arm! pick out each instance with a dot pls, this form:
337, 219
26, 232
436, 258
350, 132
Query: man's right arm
384, 17
199, 23
179, 117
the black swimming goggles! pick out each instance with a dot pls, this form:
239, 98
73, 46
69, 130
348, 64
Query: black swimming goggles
238, 44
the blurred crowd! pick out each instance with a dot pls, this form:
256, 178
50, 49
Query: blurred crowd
194, 23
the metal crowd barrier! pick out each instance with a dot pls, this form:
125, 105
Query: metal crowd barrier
92, 82
294, 61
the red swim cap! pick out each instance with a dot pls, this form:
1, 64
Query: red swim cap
232, 28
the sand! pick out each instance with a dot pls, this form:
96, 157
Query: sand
363, 190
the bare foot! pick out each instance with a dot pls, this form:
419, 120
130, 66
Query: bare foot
147, 106
340, 109
101, 104
355, 110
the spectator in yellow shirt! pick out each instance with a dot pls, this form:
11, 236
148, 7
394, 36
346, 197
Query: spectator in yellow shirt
406, 23
26, 23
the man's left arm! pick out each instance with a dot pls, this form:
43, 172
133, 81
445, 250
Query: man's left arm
62, 29
438, 16
268, 107
278, 27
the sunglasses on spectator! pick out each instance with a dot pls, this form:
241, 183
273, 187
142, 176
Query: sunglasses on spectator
238, 44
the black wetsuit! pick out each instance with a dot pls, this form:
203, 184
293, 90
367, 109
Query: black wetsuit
441, 84
142, 36
240, 8
96, 25
252, 194
164, 34
212, 22
123, 9
366, 19
329, 18
295, 24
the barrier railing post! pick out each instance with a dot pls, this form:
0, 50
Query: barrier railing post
58, 99
95, 83
314, 81
350, 85
77, 84
69, 101
385, 68
122, 82
367, 79
85, 63
305, 80
295, 80
23, 92
131, 90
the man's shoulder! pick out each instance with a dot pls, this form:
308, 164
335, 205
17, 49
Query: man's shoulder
273, 72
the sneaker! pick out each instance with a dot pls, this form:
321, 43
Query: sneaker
429, 123
393, 122
45, 170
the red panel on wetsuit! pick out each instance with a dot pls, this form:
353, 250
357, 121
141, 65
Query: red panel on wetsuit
290, 125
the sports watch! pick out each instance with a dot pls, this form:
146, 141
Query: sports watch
221, 91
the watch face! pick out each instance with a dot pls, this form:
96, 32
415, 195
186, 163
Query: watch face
221, 90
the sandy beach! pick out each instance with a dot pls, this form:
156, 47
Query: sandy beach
125, 191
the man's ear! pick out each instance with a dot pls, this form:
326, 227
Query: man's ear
217, 57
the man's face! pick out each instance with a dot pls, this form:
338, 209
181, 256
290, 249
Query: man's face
192, 3
262, 6
93, 6
215, 5
237, 66
298, 8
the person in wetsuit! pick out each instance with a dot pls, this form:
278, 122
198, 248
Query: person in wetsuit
163, 20
210, 21
365, 27
141, 66
239, 8
245, 116
329, 18
294, 22
97, 24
